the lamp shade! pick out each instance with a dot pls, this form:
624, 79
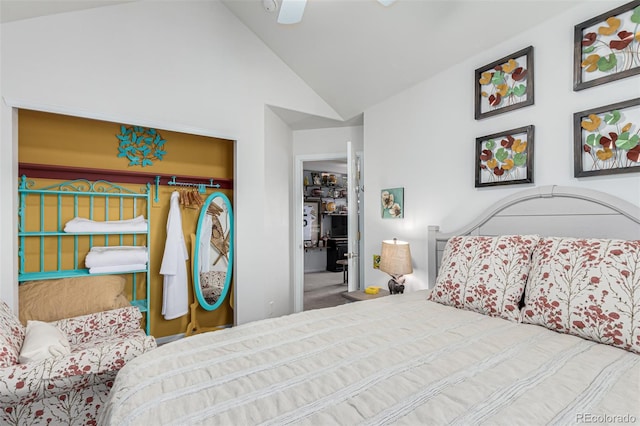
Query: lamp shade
395, 258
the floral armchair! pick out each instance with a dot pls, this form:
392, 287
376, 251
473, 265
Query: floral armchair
69, 388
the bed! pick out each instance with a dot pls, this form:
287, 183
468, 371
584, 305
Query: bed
434, 356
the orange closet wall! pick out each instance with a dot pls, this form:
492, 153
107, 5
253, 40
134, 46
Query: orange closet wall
61, 140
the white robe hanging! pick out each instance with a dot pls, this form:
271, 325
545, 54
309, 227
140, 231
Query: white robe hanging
175, 293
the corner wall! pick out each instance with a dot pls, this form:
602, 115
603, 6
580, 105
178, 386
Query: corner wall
423, 139
276, 241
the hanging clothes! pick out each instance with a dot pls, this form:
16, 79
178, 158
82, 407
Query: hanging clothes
175, 293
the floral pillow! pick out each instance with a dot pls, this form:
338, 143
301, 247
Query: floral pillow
586, 287
485, 274
11, 336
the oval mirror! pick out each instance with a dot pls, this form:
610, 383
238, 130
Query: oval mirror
213, 257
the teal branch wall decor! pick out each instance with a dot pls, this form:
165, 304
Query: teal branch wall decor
140, 145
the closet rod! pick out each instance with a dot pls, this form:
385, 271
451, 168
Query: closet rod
50, 171
202, 187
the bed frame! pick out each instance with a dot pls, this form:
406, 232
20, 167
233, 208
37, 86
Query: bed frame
552, 210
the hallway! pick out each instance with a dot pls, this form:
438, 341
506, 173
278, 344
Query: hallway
323, 289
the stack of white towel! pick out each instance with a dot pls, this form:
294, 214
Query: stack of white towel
80, 224
112, 259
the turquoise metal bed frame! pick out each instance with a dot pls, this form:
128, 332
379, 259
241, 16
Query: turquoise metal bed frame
114, 197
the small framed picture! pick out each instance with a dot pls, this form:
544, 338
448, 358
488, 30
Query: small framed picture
392, 202
504, 85
505, 158
606, 139
606, 47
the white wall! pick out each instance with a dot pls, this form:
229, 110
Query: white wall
423, 139
8, 206
183, 66
277, 187
330, 140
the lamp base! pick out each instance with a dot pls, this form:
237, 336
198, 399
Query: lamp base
395, 285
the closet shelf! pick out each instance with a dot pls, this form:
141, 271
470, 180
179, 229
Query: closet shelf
71, 234
70, 273
141, 304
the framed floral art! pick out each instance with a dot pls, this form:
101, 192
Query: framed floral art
606, 47
392, 202
505, 158
607, 139
504, 85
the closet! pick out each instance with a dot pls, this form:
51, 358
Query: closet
61, 148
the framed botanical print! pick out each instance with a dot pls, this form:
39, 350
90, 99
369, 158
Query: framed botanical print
607, 139
392, 202
505, 84
606, 47
505, 158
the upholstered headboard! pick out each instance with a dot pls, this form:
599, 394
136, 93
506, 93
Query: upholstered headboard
548, 211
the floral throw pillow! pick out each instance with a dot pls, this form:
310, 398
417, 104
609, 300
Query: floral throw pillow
586, 287
11, 336
485, 274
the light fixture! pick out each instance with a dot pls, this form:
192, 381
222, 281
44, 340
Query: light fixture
291, 11
395, 260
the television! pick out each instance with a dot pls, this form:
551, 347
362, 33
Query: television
338, 226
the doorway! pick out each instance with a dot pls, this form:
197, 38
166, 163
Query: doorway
325, 219
318, 281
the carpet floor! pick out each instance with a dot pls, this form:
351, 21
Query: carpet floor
323, 290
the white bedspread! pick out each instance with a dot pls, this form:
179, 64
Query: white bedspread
393, 360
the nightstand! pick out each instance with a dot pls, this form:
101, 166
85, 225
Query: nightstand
356, 296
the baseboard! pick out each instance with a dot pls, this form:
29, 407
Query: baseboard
168, 339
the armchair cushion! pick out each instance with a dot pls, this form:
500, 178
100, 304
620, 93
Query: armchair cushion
70, 388
87, 328
83, 367
43, 340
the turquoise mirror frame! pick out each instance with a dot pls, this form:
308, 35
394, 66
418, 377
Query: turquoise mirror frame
196, 261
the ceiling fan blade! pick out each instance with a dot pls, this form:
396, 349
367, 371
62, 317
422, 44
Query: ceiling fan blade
386, 2
291, 11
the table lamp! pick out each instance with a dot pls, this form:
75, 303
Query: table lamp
395, 260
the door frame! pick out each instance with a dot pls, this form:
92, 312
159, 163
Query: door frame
297, 243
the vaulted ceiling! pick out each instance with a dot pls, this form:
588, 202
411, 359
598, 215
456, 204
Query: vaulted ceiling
356, 53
